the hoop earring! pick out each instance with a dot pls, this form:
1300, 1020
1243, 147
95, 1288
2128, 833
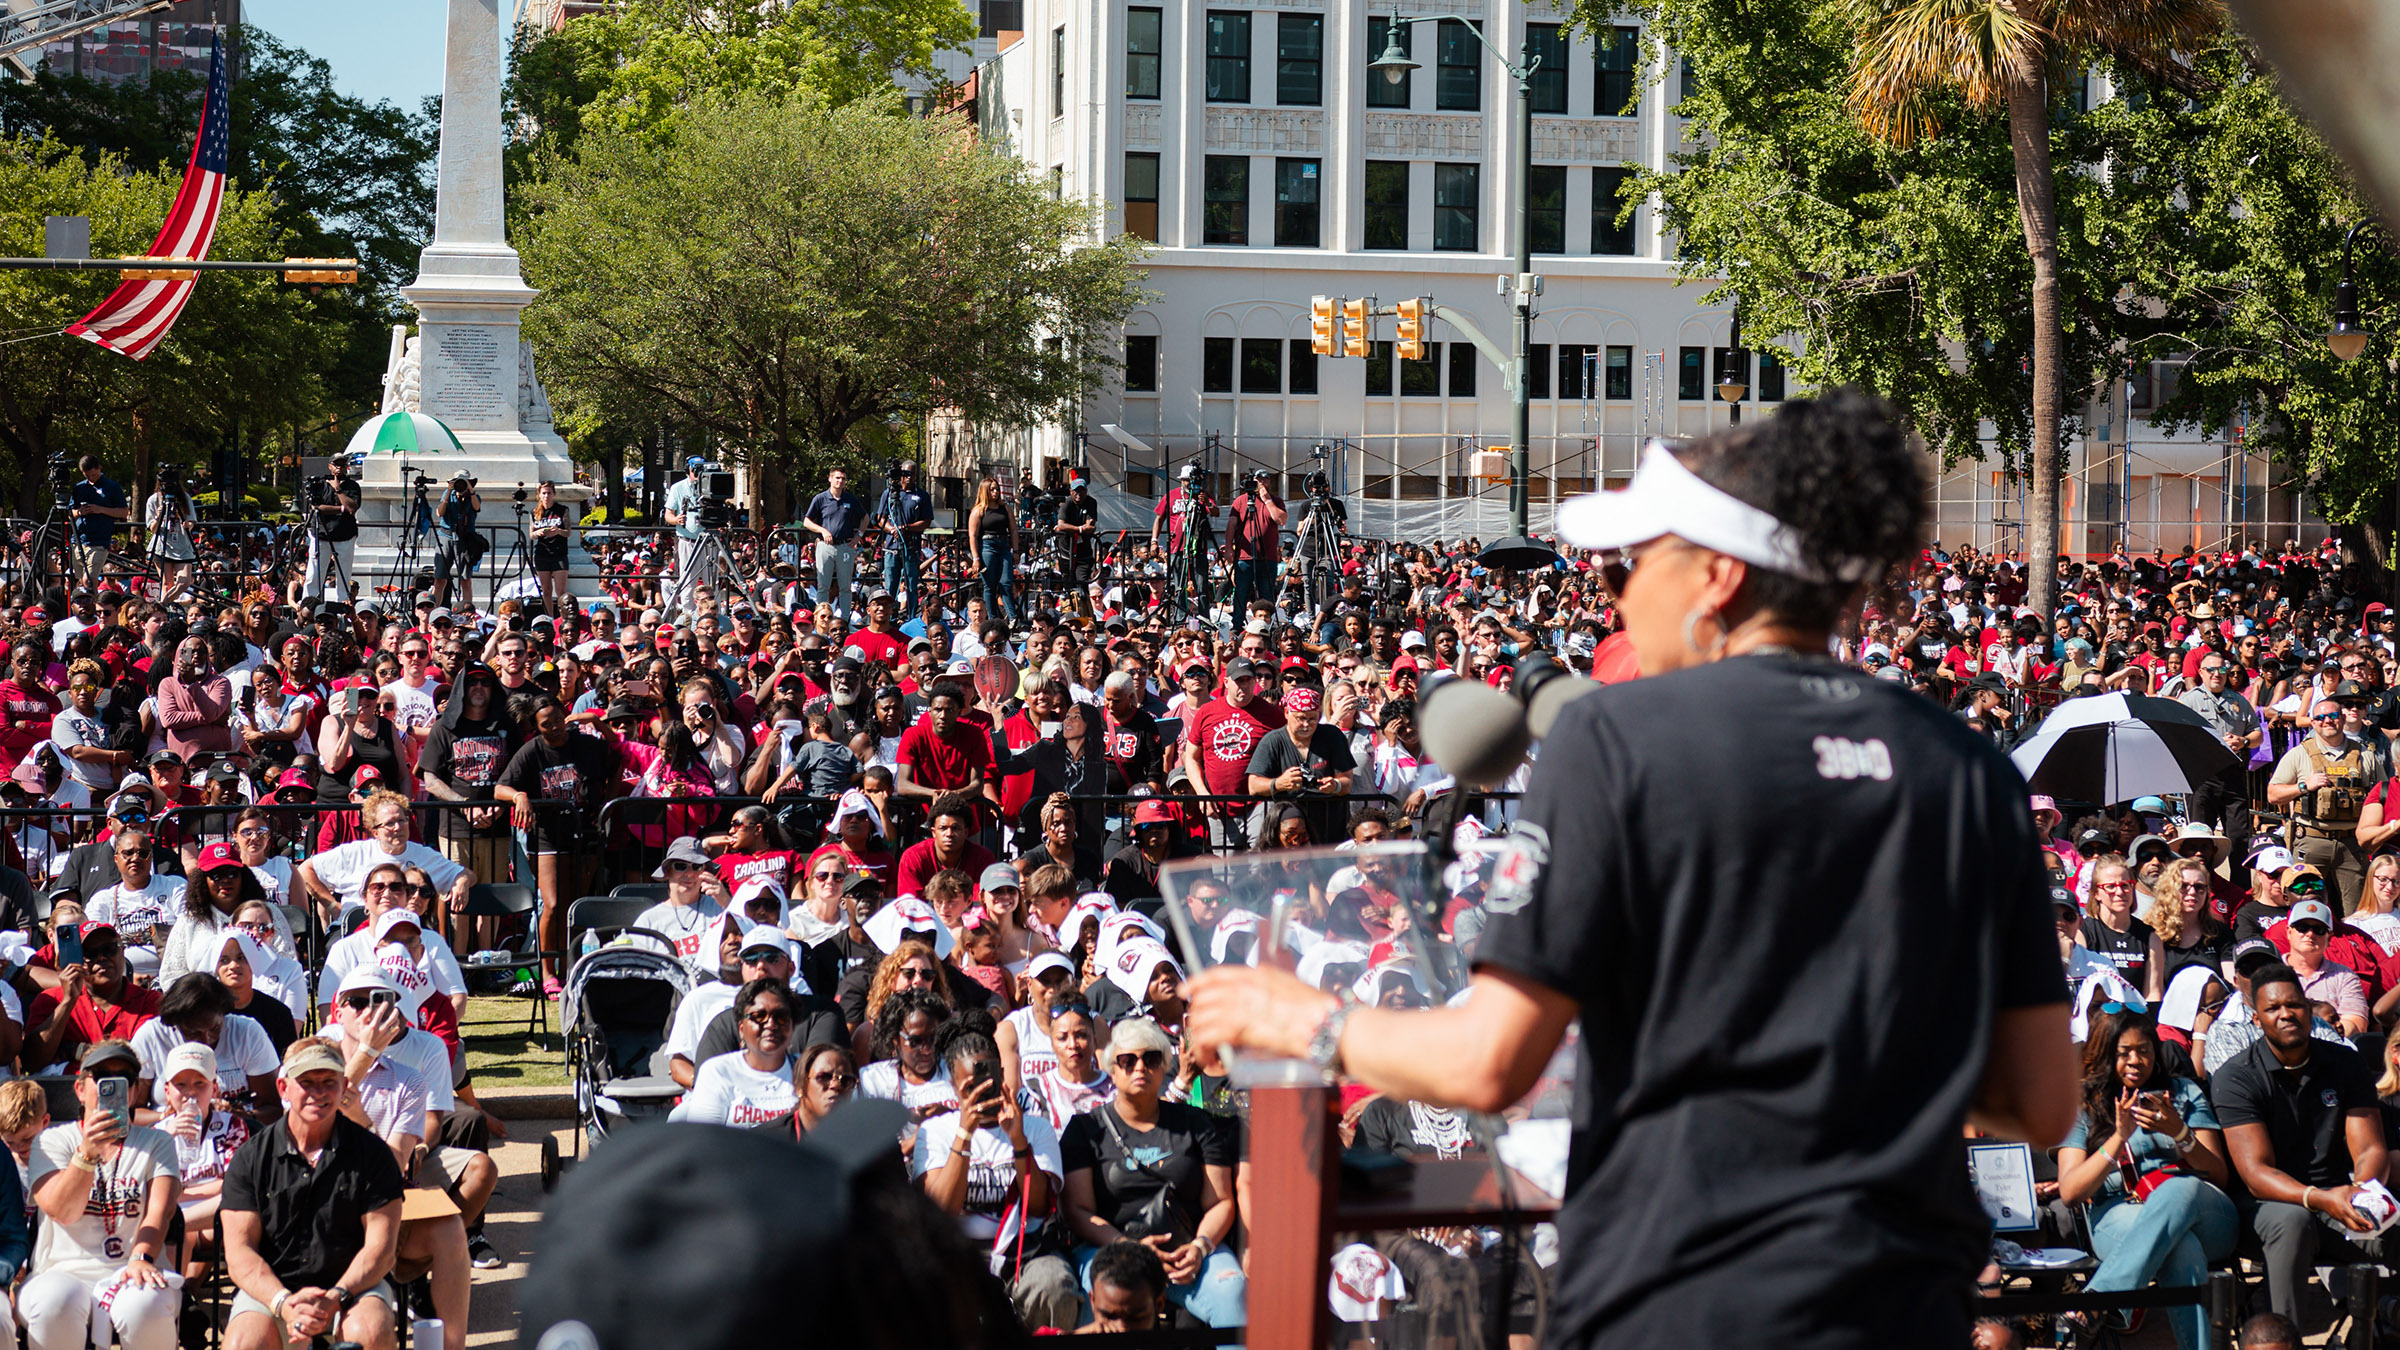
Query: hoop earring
1691, 621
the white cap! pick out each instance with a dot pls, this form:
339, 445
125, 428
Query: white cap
395, 918
370, 978
189, 1055
763, 938
1666, 498
1047, 962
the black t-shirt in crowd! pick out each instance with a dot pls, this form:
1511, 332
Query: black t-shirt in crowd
2301, 1108
1328, 757
1791, 902
2128, 951
2255, 918
1413, 1129
565, 783
312, 1219
1185, 1140
468, 761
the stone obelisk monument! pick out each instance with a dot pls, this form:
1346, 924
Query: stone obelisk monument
466, 364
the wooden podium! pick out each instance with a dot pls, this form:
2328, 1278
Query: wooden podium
1295, 1191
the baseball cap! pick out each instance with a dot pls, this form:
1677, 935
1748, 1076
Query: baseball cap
2251, 953
694, 462
112, 1052
766, 937
218, 856
2298, 872
2311, 910
999, 876
1153, 813
1047, 962
1241, 668
400, 917
2273, 859
310, 1054
165, 757
369, 978
189, 1055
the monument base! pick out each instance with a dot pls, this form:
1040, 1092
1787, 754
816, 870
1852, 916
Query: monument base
499, 461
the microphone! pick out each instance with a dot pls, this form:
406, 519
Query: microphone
1479, 734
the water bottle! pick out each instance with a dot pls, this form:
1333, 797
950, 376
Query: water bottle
591, 941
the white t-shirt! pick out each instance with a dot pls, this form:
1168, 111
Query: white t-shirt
344, 867
439, 964
242, 1050
2384, 928
727, 1091
882, 1079
136, 914
96, 1245
412, 708
1034, 1055
991, 1167
275, 876
692, 1016
195, 944
72, 730
690, 926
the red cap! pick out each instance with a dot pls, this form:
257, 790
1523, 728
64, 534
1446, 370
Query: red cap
218, 855
1153, 813
367, 773
294, 778
35, 614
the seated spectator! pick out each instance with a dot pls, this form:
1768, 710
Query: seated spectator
2234, 1028
824, 1076
141, 906
1073, 1082
311, 1213
755, 1084
901, 1065
767, 954
338, 876
205, 1134
709, 996
2326, 981
997, 1171
198, 1010
2302, 1124
695, 897
219, 885
1062, 843
385, 891
1131, 1148
2170, 1219
105, 1192
1129, 1289
94, 1002
254, 973
949, 843
24, 1114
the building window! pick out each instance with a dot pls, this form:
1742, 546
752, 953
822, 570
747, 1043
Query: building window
1550, 73
1300, 60
1608, 191
1770, 376
1686, 82
1141, 363
1615, 93
1387, 203
1304, 367
1262, 365
1228, 57
1462, 370
1382, 92
1620, 372
1379, 370
1058, 181
1058, 72
1546, 208
1296, 182
1141, 196
1537, 370
1691, 375
1142, 49
1421, 377
1455, 227
1575, 374
1216, 365
1226, 217
1458, 68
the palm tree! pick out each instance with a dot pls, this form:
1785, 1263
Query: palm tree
1998, 54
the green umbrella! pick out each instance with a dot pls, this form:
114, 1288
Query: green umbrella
403, 433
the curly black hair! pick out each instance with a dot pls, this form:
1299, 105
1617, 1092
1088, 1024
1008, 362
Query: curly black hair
895, 1014
1839, 472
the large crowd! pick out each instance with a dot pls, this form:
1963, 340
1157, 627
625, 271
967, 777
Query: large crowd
904, 816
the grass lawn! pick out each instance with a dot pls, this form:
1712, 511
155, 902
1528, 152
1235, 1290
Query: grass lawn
501, 1052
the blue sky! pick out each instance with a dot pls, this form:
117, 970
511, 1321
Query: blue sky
379, 49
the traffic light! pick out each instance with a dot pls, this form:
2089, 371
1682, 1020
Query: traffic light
1354, 328
1409, 331
1325, 325
322, 271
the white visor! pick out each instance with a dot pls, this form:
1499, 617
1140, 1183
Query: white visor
1666, 498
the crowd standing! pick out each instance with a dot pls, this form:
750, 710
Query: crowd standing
909, 811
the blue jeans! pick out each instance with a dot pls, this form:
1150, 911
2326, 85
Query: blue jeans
999, 563
1220, 1297
2167, 1239
903, 565
1245, 587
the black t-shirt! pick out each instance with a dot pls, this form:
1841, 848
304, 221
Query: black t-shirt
335, 525
2128, 951
549, 551
2301, 1108
381, 750
274, 1019
1085, 512
1742, 873
1328, 757
565, 782
1174, 1152
2255, 918
468, 761
312, 1219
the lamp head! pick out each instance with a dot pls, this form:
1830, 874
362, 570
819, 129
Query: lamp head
1732, 390
2347, 339
1394, 63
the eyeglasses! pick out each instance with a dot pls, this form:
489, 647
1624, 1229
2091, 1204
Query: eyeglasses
913, 973
771, 1017
675, 867
2313, 929
1148, 1059
2121, 1007
261, 931
833, 1080
2305, 886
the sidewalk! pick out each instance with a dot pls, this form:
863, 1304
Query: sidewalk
510, 1223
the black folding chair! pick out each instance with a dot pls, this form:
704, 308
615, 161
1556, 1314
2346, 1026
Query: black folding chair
648, 892
606, 915
511, 900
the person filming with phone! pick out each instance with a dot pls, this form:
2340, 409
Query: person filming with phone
93, 1003
105, 1188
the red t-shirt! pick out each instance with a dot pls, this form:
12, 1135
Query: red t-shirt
138, 1005
882, 648
775, 865
945, 763
28, 709
917, 865
1016, 790
1226, 735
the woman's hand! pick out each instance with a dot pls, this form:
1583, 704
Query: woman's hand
2127, 1120
141, 1271
1182, 1263
2164, 1119
101, 1129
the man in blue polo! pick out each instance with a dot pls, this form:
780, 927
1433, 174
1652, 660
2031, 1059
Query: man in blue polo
904, 513
835, 516
100, 510
683, 512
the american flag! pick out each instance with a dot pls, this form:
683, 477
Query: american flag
135, 317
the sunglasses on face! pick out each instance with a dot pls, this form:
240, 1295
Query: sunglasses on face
133, 853
916, 1042
2305, 886
257, 930
1147, 1059
769, 1017
2312, 929
361, 1002
675, 867
833, 1080
914, 973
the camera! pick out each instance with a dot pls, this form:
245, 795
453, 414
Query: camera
63, 474
519, 495
716, 500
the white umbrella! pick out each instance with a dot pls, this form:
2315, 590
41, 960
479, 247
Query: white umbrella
2116, 747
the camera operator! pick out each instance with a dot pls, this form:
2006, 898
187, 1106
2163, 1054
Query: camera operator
1078, 522
333, 530
904, 513
96, 504
462, 546
1321, 570
169, 516
2325, 779
683, 512
1255, 536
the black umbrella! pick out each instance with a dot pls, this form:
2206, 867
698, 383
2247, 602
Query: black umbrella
2116, 747
1517, 553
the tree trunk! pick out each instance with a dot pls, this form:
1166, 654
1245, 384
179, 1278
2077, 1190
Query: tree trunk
2037, 207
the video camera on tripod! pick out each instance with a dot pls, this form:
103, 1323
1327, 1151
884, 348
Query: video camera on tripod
63, 477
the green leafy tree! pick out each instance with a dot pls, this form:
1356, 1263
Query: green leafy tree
247, 348
784, 275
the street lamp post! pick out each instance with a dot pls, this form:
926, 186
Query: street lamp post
1733, 379
1395, 65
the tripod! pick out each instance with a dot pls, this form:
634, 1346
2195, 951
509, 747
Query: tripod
49, 552
1320, 550
710, 564
1190, 592
514, 568
400, 576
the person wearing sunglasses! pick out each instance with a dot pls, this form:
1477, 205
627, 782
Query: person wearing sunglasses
988, 1155
1124, 1154
217, 885
903, 1066
754, 1085
142, 905
105, 1192
2324, 780
695, 898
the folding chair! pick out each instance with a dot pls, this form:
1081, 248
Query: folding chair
606, 915
510, 900
648, 892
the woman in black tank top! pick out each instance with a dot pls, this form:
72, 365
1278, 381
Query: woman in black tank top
347, 742
992, 539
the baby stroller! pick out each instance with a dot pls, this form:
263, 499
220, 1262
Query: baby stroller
620, 1002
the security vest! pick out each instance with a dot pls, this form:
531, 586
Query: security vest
2337, 803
